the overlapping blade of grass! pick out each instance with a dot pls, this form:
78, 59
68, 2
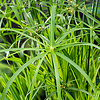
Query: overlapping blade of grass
16, 74
35, 75
56, 75
28, 18
40, 12
63, 46
23, 35
26, 78
20, 2
40, 87
21, 49
49, 96
1, 20
12, 89
16, 13
59, 39
81, 90
89, 16
19, 84
69, 95
79, 69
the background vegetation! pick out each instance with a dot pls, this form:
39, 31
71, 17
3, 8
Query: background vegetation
51, 49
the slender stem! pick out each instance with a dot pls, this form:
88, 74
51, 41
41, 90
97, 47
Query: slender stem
53, 12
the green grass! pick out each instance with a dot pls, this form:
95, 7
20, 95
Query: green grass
61, 57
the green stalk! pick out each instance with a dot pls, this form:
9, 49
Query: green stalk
93, 6
52, 28
56, 75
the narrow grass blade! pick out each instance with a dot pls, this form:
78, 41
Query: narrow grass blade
89, 16
68, 95
20, 49
47, 98
16, 13
52, 27
40, 12
81, 90
63, 46
35, 75
56, 75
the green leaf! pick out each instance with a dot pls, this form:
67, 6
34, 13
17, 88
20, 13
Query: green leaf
39, 87
90, 16
68, 95
16, 13
63, 46
81, 90
21, 49
56, 75
52, 27
50, 95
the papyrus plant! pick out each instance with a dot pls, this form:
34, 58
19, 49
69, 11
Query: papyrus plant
62, 59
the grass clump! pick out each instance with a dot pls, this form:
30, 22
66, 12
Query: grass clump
53, 49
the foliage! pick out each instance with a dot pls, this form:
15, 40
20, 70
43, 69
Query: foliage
51, 50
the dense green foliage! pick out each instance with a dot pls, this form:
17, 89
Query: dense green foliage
53, 50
